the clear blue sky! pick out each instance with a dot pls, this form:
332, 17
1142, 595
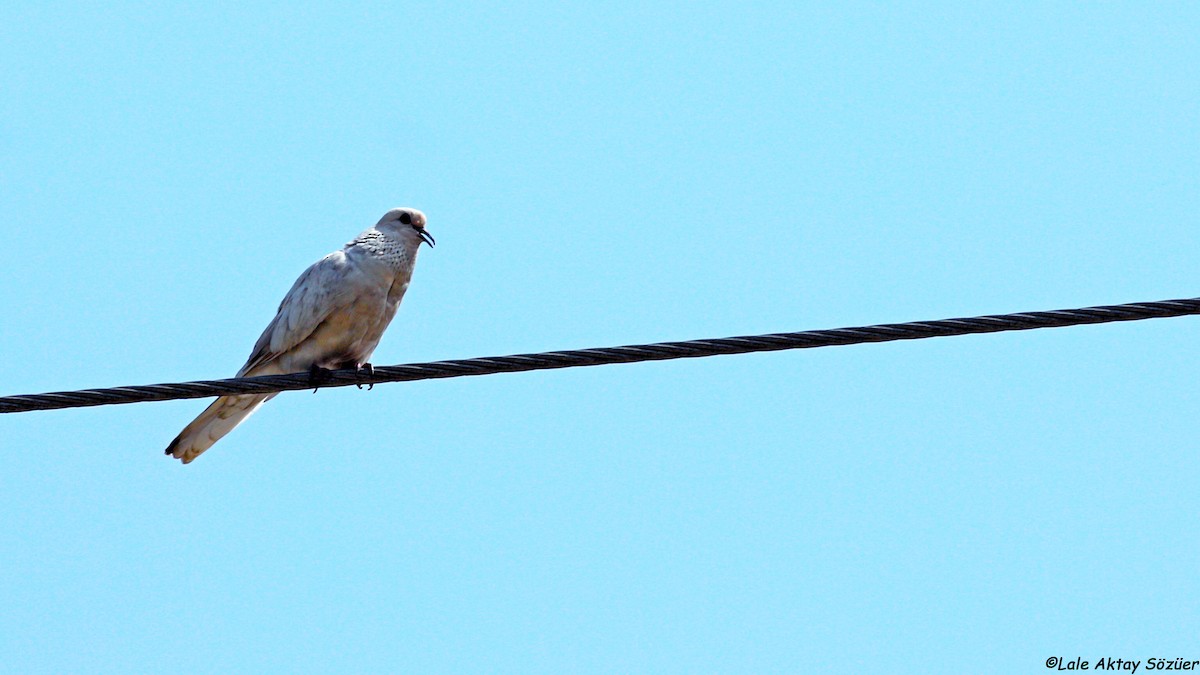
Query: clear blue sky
600, 176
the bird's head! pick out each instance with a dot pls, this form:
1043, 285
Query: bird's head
407, 225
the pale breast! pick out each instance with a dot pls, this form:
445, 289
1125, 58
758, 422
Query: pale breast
395, 295
342, 336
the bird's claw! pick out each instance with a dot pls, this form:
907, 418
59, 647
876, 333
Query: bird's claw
318, 376
368, 370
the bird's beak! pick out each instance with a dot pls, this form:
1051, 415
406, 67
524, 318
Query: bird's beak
428, 238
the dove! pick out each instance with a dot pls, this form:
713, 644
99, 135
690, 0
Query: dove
332, 318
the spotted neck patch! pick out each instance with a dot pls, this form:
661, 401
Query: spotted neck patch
384, 248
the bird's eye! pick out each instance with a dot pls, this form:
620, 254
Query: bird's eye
405, 219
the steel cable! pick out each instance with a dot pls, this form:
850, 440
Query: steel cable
662, 351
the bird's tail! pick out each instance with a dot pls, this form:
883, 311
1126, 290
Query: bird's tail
217, 420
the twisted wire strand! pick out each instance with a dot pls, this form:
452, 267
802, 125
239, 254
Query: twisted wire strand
661, 351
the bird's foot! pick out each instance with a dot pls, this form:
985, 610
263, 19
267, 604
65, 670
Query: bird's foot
368, 370
318, 376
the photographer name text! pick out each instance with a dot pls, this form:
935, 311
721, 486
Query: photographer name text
1126, 665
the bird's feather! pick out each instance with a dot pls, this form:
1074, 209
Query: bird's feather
320, 291
218, 419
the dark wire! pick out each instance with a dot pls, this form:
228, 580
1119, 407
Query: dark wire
607, 355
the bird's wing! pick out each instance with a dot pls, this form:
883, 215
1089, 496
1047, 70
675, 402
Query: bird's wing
321, 290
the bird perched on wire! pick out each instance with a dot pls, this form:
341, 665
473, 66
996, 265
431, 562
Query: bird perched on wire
332, 318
